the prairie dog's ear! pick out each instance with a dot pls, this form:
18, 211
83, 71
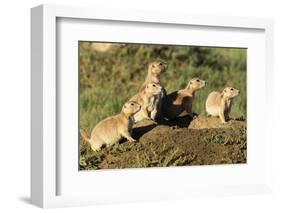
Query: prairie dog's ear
189, 83
151, 65
124, 109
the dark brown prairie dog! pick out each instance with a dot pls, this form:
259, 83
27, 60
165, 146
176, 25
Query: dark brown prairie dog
146, 98
155, 69
177, 102
219, 103
112, 129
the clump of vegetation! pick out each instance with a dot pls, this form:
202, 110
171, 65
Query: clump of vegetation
162, 158
221, 139
91, 161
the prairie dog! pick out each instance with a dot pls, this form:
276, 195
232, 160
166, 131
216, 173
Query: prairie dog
155, 69
112, 129
219, 103
146, 99
177, 102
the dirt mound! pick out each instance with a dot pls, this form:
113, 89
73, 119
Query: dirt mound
202, 122
201, 141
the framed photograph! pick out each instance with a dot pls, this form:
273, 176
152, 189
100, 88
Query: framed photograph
131, 106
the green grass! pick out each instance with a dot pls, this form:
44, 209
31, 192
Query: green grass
220, 139
108, 79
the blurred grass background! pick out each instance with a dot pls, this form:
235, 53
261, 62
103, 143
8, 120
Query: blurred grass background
111, 73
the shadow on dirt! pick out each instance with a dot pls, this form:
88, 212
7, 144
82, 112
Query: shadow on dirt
146, 126
138, 132
181, 122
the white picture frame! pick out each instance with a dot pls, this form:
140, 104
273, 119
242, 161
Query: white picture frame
45, 171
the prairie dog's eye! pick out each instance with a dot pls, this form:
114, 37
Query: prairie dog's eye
197, 80
160, 64
231, 89
132, 104
154, 85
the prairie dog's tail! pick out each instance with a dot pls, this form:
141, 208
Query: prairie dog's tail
84, 135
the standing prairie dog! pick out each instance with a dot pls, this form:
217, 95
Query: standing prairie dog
110, 130
155, 69
177, 102
145, 99
219, 103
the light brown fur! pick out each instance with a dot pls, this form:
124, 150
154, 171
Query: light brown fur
146, 98
219, 103
110, 130
155, 69
179, 101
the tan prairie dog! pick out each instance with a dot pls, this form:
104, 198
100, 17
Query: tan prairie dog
219, 103
146, 99
110, 130
179, 101
155, 69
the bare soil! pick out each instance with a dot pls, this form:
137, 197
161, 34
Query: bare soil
184, 141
